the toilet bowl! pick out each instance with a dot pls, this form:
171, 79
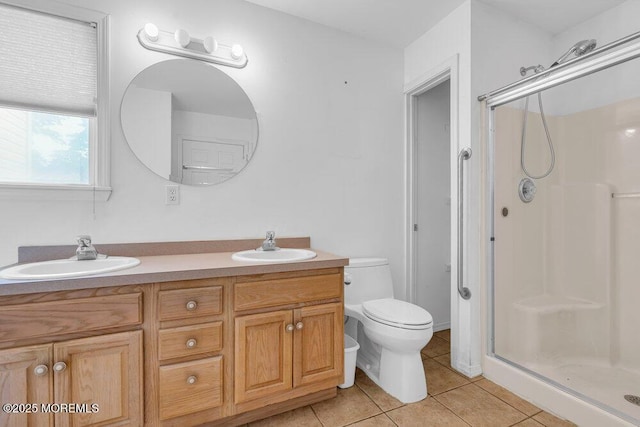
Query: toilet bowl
390, 332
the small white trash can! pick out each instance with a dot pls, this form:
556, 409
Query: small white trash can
351, 347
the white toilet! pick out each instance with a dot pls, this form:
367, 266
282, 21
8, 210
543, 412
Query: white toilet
390, 332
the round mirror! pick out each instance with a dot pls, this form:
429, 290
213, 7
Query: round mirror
189, 122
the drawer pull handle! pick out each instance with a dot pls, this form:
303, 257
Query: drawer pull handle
192, 379
289, 327
40, 370
192, 305
299, 325
59, 366
191, 343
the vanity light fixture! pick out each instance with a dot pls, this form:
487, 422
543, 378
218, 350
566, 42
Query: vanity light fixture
182, 44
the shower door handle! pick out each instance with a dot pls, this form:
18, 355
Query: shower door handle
464, 154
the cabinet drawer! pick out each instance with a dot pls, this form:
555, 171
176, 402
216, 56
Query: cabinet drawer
190, 387
45, 319
190, 340
270, 293
189, 303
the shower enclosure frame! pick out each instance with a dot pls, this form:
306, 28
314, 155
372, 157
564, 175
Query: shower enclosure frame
525, 382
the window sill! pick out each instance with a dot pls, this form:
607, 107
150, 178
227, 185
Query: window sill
54, 192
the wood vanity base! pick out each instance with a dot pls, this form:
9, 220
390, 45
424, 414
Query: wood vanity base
209, 342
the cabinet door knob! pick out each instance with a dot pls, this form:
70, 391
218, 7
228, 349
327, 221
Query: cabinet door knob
289, 327
191, 343
299, 325
192, 305
41, 370
59, 366
192, 379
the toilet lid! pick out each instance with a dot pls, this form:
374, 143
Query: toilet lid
397, 313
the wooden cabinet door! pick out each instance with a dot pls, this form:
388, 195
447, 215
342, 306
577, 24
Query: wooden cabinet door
104, 370
263, 357
20, 383
318, 344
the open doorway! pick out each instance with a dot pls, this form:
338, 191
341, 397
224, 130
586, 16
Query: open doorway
433, 204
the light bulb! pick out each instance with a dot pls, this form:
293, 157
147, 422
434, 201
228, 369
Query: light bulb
236, 51
210, 44
182, 37
151, 32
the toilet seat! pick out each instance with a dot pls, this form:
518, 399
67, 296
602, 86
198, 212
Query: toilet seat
399, 314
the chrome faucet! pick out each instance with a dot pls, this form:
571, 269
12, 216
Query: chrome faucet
269, 243
85, 250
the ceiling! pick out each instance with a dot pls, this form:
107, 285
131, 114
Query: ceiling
400, 22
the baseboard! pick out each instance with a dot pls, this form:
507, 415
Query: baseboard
441, 326
469, 371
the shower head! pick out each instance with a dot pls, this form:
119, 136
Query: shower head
578, 49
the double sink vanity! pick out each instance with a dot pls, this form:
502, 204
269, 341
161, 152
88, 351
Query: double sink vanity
190, 336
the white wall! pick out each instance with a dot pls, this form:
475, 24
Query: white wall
328, 163
621, 81
491, 47
500, 45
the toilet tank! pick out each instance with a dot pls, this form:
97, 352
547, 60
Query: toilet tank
370, 279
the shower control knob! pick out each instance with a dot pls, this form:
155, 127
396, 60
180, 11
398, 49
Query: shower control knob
526, 190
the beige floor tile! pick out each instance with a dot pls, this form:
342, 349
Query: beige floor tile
479, 407
378, 421
437, 347
441, 379
425, 413
548, 420
350, 405
444, 360
445, 335
384, 400
529, 422
301, 417
506, 396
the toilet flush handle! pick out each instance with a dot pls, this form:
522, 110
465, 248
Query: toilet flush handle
347, 279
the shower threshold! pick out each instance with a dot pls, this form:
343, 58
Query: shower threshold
603, 386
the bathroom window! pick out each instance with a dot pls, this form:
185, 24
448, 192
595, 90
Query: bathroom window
53, 101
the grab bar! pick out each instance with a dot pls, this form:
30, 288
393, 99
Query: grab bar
465, 154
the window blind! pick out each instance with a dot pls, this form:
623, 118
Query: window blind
48, 63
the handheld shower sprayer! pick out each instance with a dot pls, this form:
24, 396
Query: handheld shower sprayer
578, 49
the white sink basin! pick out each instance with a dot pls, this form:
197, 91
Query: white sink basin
61, 268
279, 255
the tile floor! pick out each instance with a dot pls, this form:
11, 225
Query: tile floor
453, 400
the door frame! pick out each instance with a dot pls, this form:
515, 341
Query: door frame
461, 344
448, 70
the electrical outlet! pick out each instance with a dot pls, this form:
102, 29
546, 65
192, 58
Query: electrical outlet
172, 195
